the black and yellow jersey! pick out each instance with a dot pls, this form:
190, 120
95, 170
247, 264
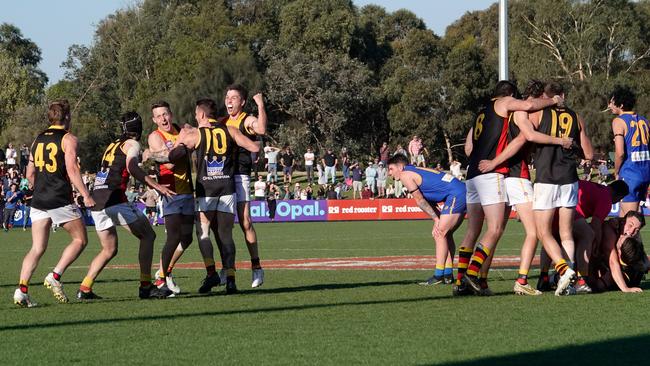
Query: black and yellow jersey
216, 161
553, 163
112, 177
52, 188
244, 162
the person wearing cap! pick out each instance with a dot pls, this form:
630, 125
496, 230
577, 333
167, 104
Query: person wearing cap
371, 177
382, 176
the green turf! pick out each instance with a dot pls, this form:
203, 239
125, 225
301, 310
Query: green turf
313, 317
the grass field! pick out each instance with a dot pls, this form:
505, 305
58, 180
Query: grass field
337, 317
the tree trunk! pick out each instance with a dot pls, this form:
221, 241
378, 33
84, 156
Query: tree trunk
450, 156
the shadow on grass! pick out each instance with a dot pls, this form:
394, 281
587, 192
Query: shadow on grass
69, 283
127, 319
621, 351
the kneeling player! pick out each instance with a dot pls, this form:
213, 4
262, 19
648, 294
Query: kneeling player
429, 187
620, 261
112, 208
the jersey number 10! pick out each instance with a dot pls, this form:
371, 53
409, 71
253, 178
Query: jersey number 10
216, 139
39, 161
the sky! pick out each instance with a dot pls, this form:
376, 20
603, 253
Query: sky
56, 25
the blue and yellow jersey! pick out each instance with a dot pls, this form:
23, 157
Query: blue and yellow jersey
637, 154
437, 186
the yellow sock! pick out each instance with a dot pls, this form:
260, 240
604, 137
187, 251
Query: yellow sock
208, 262
87, 284
23, 283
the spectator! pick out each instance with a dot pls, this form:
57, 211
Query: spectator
331, 193
132, 195
390, 191
28, 193
421, 162
371, 177
11, 156
285, 193
271, 155
3, 157
384, 153
345, 163
271, 200
366, 194
309, 165
399, 189
329, 162
603, 172
11, 197
382, 177
2, 205
400, 150
86, 179
287, 160
24, 158
415, 145
303, 194
439, 167
454, 169
322, 179
357, 179
150, 200
260, 189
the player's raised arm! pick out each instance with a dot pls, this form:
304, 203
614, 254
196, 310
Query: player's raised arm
242, 140
70, 145
258, 125
131, 149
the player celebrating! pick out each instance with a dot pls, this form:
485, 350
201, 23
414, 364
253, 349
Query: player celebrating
486, 193
250, 127
631, 135
215, 187
51, 169
429, 187
112, 208
519, 188
556, 182
179, 209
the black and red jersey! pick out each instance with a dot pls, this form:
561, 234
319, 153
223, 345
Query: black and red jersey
112, 177
489, 138
518, 164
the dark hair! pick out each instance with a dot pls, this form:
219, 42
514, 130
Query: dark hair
623, 95
632, 253
160, 104
553, 88
239, 89
398, 159
619, 190
505, 88
534, 88
208, 106
639, 216
58, 110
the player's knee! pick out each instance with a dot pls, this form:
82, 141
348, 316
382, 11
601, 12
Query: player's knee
110, 252
186, 240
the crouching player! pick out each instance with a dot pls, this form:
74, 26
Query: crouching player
429, 187
620, 262
112, 208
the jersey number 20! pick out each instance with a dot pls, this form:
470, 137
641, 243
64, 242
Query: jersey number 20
39, 161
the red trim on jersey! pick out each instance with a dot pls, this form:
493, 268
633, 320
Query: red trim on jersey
525, 172
503, 142
166, 176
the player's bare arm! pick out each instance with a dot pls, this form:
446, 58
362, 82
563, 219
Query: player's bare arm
619, 129
585, 142
242, 140
510, 104
615, 266
132, 150
409, 180
469, 144
527, 133
30, 172
70, 145
257, 125
157, 151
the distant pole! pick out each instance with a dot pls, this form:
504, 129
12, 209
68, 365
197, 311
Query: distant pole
503, 39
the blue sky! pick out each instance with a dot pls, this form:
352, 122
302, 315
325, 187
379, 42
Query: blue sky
56, 25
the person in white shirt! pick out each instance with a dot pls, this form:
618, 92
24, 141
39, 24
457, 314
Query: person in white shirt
271, 155
260, 189
309, 165
11, 156
454, 169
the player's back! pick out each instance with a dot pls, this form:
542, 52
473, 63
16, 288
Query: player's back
489, 138
52, 188
112, 178
637, 154
216, 162
436, 185
554, 164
